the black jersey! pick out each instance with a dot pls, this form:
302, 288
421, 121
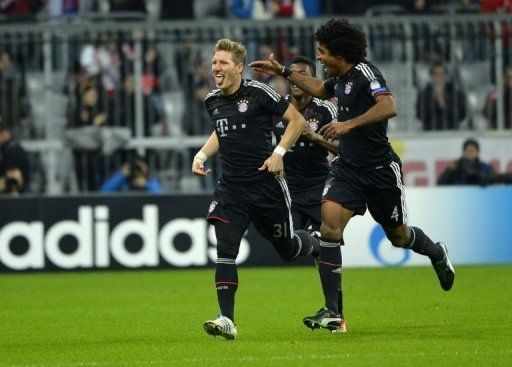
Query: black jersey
243, 122
306, 164
366, 146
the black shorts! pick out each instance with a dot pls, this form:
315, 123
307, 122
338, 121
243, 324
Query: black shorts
307, 208
266, 204
381, 189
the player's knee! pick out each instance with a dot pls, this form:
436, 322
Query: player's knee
228, 240
329, 231
397, 240
227, 250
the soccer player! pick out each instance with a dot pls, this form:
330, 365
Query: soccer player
252, 188
306, 166
368, 173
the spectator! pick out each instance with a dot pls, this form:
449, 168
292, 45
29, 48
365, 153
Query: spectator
154, 123
468, 170
181, 10
312, 8
440, 105
13, 98
417, 6
127, 5
274, 82
351, 7
204, 9
102, 61
153, 113
498, 6
490, 108
134, 176
251, 9
202, 83
14, 164
60, 7
90, 112
20, 9
287, 8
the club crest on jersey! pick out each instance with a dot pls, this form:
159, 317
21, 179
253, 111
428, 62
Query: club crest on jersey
348, 87
326, 190
213, 204
243, 105
313, 124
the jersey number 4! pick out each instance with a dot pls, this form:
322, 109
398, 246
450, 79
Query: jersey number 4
394, 215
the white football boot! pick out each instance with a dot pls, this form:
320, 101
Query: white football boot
222, 326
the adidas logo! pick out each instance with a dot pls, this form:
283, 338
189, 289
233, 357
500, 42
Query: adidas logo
280, 124
215, 111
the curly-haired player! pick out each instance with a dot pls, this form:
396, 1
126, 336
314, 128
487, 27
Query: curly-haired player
368, 173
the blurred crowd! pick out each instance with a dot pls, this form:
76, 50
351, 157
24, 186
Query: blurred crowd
103, 96
18, 10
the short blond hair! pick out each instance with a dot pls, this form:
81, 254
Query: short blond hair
238, 50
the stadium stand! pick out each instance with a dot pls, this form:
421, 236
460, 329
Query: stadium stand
151, 76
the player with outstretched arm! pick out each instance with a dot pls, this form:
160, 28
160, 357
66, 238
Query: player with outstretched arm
368, 173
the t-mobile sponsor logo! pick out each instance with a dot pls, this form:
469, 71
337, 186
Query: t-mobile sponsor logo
98, 243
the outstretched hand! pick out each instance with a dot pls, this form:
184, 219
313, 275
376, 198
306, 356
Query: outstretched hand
274, 165
269, 66
198, 168
335, 129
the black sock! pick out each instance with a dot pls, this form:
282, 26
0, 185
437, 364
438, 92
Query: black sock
330, 275
226, 282
423, 245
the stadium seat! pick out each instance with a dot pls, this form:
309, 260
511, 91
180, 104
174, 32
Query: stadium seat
474, 75
475, 102
421, 75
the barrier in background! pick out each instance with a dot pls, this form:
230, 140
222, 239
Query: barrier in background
151, 77
72, 233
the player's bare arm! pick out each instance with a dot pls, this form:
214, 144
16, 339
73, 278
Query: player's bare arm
383, 109
330, 145
296, 125
310, 85
209, 149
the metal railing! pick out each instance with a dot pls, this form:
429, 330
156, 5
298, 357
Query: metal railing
150, 77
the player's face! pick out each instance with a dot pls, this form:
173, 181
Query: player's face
227, 72
300, 68
329, 62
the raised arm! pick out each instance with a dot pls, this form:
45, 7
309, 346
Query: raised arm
209, 149
310, 85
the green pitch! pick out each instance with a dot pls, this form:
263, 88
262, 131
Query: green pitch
395, 317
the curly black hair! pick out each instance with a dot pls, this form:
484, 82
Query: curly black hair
343, 39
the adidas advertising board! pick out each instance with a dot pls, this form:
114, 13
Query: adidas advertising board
115, 232
129, 232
